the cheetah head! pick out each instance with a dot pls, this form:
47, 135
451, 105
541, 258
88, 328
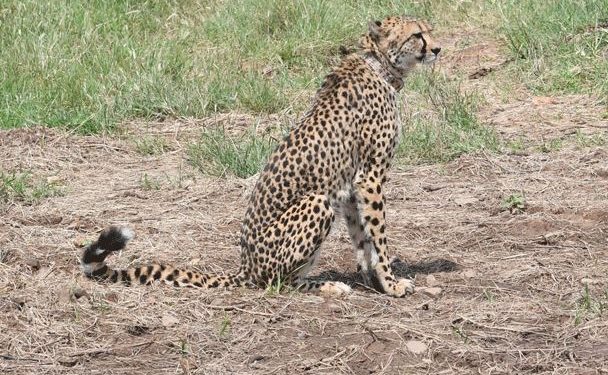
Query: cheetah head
401, 42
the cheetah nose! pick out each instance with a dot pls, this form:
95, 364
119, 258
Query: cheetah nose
436, 50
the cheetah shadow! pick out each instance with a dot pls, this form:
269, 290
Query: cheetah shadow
400, 270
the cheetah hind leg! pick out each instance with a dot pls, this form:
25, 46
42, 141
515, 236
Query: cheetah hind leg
298, 235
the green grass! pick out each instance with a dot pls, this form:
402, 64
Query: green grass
149, 183
578, 140
225, 327
584, 140
150, 145
552, 145
441, 123
218, 153
516, 146
22, 187
514, 203
590, 306
88, 65
560, 46
278, 286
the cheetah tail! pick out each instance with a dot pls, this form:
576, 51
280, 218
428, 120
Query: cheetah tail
114, 239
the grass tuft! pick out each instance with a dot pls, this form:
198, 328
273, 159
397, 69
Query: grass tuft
21, 187
447, 126
584, 140
278, 286
515, 203
218, 153
151, 145
225, 326
90, 65
558, 44
589, 306
149, 183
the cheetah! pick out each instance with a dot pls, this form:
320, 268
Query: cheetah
335, 161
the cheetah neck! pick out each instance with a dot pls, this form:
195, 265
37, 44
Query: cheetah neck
386, 71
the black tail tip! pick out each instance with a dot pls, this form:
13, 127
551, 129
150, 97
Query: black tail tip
114, 238
110, 240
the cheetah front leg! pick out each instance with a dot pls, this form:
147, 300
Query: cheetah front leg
371, 209
362, 243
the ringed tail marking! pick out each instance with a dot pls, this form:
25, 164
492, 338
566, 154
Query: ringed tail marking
115, 238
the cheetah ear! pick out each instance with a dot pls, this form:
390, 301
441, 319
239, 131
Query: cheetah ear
374, 30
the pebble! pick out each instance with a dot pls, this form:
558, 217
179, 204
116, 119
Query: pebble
416, 347
431, 280
589, 281
169, 320
432, 291
469, 274
78, 293
33, 263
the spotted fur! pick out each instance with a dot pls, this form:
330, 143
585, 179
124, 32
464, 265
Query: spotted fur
335, 161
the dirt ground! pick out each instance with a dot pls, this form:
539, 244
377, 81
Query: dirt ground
498, 291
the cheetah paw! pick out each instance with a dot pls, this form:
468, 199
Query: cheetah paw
335, 288
401, 288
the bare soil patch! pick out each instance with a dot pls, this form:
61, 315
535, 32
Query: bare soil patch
498, 292
509, 284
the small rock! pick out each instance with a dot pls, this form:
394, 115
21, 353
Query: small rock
267, 71
43, 272
432, 291
551, 238
544, 100
602, 172
64, 295
19, 302
589, 281
78, 292
431, 280
151, 299
137, 330
256, 358
33, 263
195, 262
431, 188
311, 298
416, 347
51, 219
68, 294
53, 180
217, 302
67, 361
469, 274
465, 201
169, 320
308, 364
74, 224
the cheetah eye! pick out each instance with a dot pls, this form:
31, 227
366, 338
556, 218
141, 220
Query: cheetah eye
418, 35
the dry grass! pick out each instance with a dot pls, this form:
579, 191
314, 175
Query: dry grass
512, 300
511, 284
